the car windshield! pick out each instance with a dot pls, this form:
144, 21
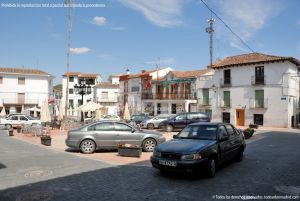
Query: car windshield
203, 132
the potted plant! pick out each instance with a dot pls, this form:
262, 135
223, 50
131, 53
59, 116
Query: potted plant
253, 126
129, 150
19, 128
248, 132
46, 140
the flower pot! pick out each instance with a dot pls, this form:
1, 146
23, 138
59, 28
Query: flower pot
253, 126
46, 142
18, 130
129, 151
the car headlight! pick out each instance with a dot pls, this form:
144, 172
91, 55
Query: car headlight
157, 153
191, 157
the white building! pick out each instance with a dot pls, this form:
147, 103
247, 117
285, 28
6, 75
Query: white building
253, 88
114, 79
106, 94
132, 88
22, 86
75, 100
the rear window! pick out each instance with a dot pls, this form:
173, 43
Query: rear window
193, 116
206, 132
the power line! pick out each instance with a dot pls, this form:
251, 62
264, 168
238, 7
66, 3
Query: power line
242, 41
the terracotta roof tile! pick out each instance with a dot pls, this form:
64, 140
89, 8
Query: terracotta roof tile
27, 71
187, 74
252, 58
79, 74
72, 73
107, 84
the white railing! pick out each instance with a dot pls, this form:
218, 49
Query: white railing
258, 103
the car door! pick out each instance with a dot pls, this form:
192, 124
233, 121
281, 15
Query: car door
126, 134
14, 120
224, 145
103, 133
179, 121
234, 140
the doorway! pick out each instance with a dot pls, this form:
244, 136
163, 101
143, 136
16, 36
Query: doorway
240, 117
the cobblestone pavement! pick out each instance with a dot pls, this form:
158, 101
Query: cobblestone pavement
30, 172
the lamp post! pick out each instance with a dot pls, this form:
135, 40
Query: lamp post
82, 89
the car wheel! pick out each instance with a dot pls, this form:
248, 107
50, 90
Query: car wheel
240, 155
87, 146
150, 126
211, 167
149, 145
169, 128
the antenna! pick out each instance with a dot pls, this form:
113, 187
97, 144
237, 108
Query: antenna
70, 4
210, 31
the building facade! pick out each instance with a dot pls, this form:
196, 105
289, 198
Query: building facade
106, 94
134, 87
75, 100
24, 87
254, 88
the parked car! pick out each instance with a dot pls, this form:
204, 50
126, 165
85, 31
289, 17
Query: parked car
9, 115
198, 146
137, 119
108, 134
154, 122
182, 120
110, 117
19, 119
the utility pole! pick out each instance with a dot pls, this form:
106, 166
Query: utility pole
210, 31
70, 18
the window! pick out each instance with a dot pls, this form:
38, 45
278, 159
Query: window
14, 118
205, 96
226, 117
1, 80
71, 91
258, 119
193, 116
104, 94
135, 89
21, 80
222, 132
259, 98
71, 103
227, 76
21, 98
259, 75
90, 81
226, 98
107, 126
71, 79
230, 130
23, 118
181, 117
122, 127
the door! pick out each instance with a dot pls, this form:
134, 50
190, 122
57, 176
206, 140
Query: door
224, 145
14, 120
240, 117
179, 121
104, 134
126, 135
24, 120
234, 140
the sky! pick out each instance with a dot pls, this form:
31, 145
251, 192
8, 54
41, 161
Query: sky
109, 36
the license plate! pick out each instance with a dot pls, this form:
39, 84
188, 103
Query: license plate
168, 163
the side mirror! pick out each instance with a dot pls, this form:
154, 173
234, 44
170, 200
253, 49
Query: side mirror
132, 130
174, 136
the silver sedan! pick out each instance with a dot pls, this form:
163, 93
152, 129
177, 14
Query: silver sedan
108, 134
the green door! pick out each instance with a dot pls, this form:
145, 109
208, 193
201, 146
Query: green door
259, 98
205, 96
226, 98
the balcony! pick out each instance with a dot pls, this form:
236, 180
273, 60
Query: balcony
258, 103
225, 82
204, 102
108, 100
258, 80
225, 104
170, 96
20, 101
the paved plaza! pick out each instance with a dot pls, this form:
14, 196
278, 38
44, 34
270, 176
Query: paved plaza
32, 172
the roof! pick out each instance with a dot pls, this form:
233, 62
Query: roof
252, 58
27, 71
188, 74
79, 74
107, 84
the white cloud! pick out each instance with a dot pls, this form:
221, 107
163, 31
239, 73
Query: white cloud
163, 13
162, 62
99, 21
245, 17
79, 50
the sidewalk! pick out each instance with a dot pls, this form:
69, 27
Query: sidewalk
112, 157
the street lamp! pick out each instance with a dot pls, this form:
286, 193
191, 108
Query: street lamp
82, 89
